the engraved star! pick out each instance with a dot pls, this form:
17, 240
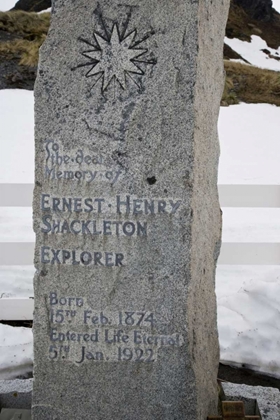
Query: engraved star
114, 59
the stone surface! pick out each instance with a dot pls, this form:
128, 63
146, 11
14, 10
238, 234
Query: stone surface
16, 393
126, 210
12, 414
268, 399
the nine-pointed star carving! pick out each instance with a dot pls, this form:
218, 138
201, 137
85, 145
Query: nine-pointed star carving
115, 58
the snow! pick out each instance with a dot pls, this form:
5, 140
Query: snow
276, 5
6, 5
16, 351
251, 51
248, 316
251, 158
248, 296
16, 224
16, 136
16, 281
239, 60
255, 225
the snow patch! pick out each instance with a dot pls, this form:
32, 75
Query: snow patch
252, 52
6, 5
239, 60
248, 316
46, 10
16, 351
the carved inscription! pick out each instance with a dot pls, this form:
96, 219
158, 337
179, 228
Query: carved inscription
54, 210
121, 205
79, 257
60, 165
79, 333
97, 336
115, 58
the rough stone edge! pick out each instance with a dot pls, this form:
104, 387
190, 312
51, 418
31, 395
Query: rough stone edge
212, 18
265, 401
16, 393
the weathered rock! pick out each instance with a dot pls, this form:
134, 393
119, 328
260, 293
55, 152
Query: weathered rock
126, 210
14, 76
258, 9
32, 5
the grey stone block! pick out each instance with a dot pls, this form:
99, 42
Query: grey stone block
268, 399
16, 393
126, 211
15, 414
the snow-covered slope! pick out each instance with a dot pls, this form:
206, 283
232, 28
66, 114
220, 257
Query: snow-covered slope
254, 54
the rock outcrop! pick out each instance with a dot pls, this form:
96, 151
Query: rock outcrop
32, 5
257, 9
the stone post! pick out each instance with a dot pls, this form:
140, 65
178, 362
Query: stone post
126, 210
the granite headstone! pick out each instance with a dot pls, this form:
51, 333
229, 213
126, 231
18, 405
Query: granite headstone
126, 210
